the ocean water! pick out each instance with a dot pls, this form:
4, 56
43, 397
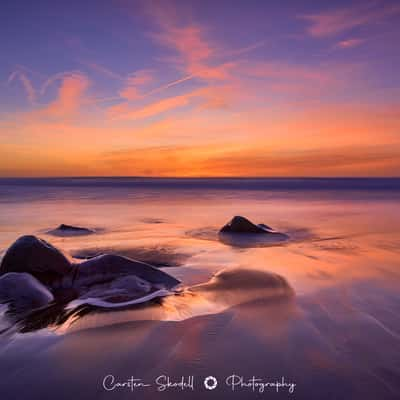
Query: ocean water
338, 336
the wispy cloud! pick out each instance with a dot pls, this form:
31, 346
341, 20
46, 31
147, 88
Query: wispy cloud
26, 83
57, 77
170, 84
140, 77
349, 43
102, 70
132, 89
333, 22
194, 51
287, 79
151, 109
244, 50
210, 97
194, 58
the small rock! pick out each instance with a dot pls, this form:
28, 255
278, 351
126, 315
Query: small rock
240, 224
70, 230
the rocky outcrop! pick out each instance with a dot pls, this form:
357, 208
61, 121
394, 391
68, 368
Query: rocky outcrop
108, 280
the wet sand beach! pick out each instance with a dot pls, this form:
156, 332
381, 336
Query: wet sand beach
320, 311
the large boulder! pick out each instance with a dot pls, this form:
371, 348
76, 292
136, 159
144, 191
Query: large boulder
22, 292
38, 258
240, 224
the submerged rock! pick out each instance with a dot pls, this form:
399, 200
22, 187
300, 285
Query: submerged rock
70, 230
109, 267
240, 224
36, 257
240, 285
112, 281
119, 292
119, 289
22, 292
245, 279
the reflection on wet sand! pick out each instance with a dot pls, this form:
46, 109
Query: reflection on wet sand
159, 256
226, 289
316, 342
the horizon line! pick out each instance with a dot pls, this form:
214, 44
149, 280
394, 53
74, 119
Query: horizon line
194, 177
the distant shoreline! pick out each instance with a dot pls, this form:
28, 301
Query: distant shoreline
121, 177
251, 183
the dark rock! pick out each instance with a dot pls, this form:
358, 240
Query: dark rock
105, 281
240, 224
63, 295
109, 267
66, 230
38, 258
23, 292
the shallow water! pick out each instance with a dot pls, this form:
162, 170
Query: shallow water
336, 337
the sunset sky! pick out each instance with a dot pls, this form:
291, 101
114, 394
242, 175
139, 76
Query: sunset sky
200, 88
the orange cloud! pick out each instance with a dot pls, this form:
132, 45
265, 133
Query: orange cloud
213, 97
207, 72
254, 161
130, 93
152, 109
70, 96
140, 78
189, 41
218, 97
132, 83
334, 22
